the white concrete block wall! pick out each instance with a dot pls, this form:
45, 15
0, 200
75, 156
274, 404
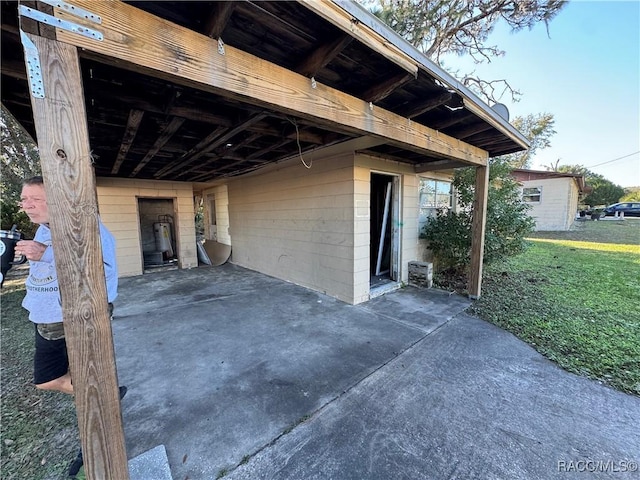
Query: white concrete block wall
118, 204
297, 224
362, 232
558, 203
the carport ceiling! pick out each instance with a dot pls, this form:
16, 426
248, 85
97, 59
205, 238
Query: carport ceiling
150, 128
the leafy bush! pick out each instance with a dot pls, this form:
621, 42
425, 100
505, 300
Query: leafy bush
20, 160
449, 233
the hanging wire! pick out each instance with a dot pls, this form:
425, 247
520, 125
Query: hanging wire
295, 124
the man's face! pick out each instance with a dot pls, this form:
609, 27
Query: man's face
34, 203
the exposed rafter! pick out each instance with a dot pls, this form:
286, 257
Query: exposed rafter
193, 153
169, 130
419, 108
133, 123
238, 75
220, 14
384, 89
322, 55
214, 143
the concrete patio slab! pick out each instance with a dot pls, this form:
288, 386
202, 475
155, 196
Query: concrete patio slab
150, 465
241, 375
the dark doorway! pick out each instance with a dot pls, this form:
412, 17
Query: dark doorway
157, 233
383, 243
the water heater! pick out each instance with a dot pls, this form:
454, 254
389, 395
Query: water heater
162, 234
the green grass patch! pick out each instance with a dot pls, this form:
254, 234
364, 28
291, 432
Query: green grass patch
576, 299
38, 429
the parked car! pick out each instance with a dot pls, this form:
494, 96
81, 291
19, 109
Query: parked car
630, 209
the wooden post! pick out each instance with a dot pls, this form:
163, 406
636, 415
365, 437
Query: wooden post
477, 230
65, 156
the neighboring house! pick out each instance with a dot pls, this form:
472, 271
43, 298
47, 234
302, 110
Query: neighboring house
552, 196
316, 138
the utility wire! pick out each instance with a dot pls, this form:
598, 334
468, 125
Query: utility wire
614, 160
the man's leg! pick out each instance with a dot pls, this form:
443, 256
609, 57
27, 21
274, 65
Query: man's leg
50, 362
60, 384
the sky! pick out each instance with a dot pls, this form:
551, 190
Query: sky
586, 72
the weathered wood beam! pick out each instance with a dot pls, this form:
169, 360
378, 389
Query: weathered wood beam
247, 141
228, 153
478, 225
345, 22
14, 69
220, 14
419, 108
302, 135
322, 55
198, 149
437, 165
167, 132
130, 132
384, 89
65, 157
338, 148
139, 41
514, 135
214, 144
472, 130
457, 117
270, 148
251, 159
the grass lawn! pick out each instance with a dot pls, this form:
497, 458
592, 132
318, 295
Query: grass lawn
575, 297
38, 429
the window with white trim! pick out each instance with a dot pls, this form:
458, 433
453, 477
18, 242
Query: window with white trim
532, 194
434, 195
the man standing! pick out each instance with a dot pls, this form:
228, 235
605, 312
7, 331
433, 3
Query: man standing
42, 300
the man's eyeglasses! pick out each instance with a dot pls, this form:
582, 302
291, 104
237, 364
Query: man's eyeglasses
27, 201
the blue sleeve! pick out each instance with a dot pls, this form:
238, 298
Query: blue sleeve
109, 259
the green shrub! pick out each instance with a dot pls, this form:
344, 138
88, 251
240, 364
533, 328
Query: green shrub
449, 233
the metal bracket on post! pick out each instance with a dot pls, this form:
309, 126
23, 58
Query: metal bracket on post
32, 58
31, 55
220, 46
41, 17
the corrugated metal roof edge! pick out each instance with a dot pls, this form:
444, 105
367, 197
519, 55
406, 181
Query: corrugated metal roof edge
480, 107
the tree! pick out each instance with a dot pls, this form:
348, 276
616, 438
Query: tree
462, 27
20, 160
538, 129
604, 192
449, 233
631, 194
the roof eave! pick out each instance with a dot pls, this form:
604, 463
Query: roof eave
471, 101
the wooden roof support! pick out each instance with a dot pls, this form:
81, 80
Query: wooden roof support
220, 14
423, 107
477, 231
384, 89
472, 130
345, 21
167, 132
148, 44
65, 157
193, 153
207, 147
322, 55
459, 116
437, 165
133, 123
